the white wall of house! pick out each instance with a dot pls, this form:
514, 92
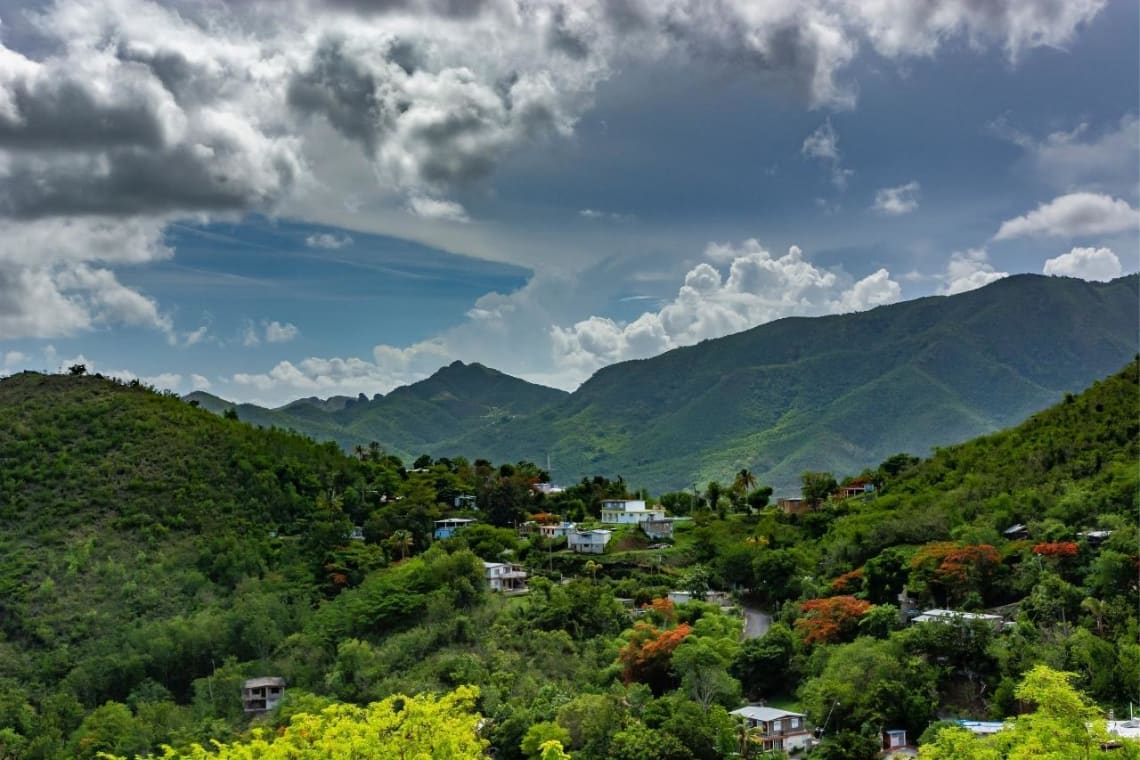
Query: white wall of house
628, 512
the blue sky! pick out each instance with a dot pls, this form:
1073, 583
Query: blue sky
273, 200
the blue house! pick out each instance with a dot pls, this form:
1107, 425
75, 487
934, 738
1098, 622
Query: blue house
447, 528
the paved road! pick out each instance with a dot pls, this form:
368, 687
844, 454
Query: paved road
756, 622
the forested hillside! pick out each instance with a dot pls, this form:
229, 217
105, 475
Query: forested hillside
834, 393
157, 555
827, 393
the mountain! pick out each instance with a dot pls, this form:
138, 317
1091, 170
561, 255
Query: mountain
457, 400
837, 393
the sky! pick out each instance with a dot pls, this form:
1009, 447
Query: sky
282, 198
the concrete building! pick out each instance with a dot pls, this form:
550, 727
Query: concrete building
629, 512
589, 541
505, 576
260, 695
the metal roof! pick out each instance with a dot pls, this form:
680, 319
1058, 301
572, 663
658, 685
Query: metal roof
757, 712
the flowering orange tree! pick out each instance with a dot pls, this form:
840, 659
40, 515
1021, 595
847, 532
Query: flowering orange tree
831, 619
647, 656
955, 567
848, 582
1058, 550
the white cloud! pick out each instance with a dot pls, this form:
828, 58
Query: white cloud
969, 270
194, 337
612, 216
1087, 263
758, 288
134, 113
249, 336
276, 332
435, 208
14, 358
328, 240
823, 144
1082, 158
1072, 215
895, 201
199, 383
904, 27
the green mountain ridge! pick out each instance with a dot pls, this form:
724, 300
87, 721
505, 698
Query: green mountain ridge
835, 393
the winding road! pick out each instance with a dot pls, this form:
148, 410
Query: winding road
756, 622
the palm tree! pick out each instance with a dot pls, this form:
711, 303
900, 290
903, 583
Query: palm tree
404, 541
1099, 609
592, 568
745, 482
746, 736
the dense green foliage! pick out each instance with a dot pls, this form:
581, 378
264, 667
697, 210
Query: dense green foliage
157, 555
835, 393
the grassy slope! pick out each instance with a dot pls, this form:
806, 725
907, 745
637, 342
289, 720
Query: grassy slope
836, 393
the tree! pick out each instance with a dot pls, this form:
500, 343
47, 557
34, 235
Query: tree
875, 682
1063, 725
702, 666
399, 726
758, 498
713, 493
542, 734
77, 370
831, 619
816, 487
403, 541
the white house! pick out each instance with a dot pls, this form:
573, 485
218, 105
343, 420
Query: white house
504, 576
557, 530
953, 617
589, 541
629, 512
776, 729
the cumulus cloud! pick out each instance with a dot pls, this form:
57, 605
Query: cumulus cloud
823, 144
1087, 263
48, 288
328, 240
758, 288
140, 112
276, 332
969, 270
896, 201
389, 368
1072, 215
269, 331
199, 383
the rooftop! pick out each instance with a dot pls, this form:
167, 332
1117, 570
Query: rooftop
759, 712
